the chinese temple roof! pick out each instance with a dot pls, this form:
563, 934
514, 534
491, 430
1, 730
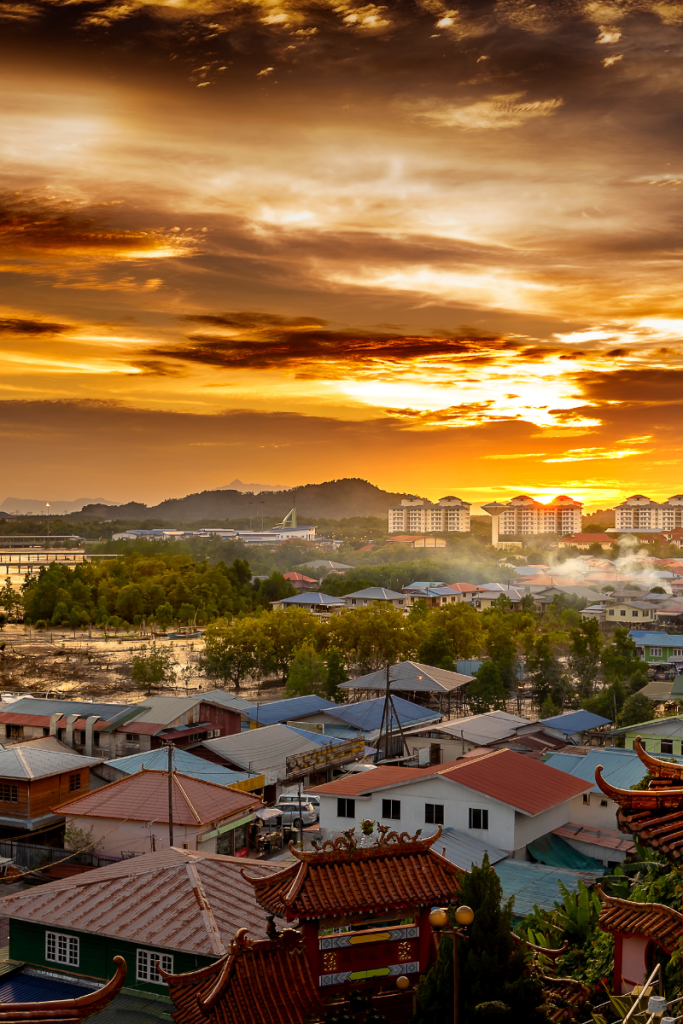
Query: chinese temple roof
344, 878
257, 982
66, 1011
653, 815
649, 920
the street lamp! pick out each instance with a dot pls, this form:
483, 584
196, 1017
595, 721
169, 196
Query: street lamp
47, 506
438, 919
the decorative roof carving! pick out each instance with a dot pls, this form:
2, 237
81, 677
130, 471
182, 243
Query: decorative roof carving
343, 878
653, 815
650, 920
257, 982
66, 1011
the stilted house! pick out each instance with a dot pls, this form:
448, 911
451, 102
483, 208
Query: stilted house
363, 913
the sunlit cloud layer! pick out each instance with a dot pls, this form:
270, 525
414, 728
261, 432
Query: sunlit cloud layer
457, 230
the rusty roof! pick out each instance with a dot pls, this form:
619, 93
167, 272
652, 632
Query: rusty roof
144, 797
260, 982
342, 878
176, 899
650, 920
512, 778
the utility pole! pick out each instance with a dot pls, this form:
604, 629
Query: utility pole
170, 792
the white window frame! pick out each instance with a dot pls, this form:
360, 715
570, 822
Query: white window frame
145, 959
61, 948
655, 652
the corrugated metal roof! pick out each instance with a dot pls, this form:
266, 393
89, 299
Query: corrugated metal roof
536, 885
649, 639
33, 763
311, 598
183, 761
164, 710
37, 706
409, 675
266, 750
366, 715
231, 700
144, 797
622, 768
483, 729
176, 899
289, 710
575, 721
464, 850
376, 594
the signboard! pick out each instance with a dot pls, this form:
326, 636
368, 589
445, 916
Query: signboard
323, 757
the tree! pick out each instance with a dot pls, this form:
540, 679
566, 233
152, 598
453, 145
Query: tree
284, 631
151, 667
371, 637
547, 675
232, 650
76, 838
636, 709
10, 600
493, 968
463, 625
307, 672
584, 655
275, 588
501, 648
164, 615
487, 691
437, 649
619, 658
336, 674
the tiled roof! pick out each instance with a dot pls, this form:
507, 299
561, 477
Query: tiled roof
342, 878
649, 920
144, 797
410, 675
514, 779
33, 763
263, 982
176, 899
70, 1010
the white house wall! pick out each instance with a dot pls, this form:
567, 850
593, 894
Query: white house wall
528, 829
594, 814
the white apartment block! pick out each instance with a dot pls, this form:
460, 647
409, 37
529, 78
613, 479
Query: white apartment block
641, 513
414, 515
525, 515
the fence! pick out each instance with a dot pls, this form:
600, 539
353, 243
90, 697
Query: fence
33, 855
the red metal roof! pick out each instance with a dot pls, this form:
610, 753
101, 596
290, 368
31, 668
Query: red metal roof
144, 797
504, 775
342, 878
299, 577
265, 982
11, 718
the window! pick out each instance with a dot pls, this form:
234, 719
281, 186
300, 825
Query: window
346, 808
666, 747
634, 613
479, 818
132, 737
61, 949
603, 803
611, 611
74, 782
677, 652
14, 732
434, 814
655, 652
391, 809
586, 798
9, 794
623, 612
147, 961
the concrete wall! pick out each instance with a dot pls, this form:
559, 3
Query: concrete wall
598, 813
530, 828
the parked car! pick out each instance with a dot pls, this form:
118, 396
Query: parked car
290, 813
306, 798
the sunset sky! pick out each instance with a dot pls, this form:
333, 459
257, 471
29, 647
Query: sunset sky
438, 248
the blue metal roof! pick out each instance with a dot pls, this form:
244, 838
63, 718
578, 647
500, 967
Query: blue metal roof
310, 598
647, 639
291, 708
575, 721
622, 768
316, 737
463, 849
22, 987
183, 761
423, 584
536, 885
366, 715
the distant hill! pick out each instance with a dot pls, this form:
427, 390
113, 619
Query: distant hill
237, 485
37, 506
335, 499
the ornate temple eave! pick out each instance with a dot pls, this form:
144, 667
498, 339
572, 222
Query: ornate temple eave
66, 1011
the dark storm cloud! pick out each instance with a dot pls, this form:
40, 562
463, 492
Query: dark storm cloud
10, 325
648, 388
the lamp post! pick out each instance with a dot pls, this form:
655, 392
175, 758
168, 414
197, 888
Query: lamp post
438, 919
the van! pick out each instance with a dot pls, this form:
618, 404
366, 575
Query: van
290, 812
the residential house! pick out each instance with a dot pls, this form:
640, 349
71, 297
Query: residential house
301, 582
661, 691
502, 797
594, 814
282, 754
662, 649
33, 781
131, 816
622, 612
290, 709
578, 727
326, 565
415, 515
488, 598
446, 741
182, 761
176, 907
421, 684
377, 595
114, 730
320, 605
435, 596
659, 736
410, 540
583, 541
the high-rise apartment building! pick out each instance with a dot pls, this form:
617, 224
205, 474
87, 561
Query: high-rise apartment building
414, 515
641, 513
525, 515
